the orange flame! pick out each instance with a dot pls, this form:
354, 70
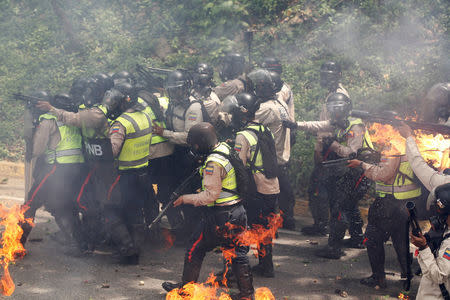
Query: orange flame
434, 148
169, 238
403, 296
11, 218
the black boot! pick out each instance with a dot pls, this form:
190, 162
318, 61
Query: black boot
315, 230
191, 271
374, 281
126, 247
265, 266
244, 278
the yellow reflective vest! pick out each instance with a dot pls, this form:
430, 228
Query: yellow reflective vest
341, 134
403, 186
135, 148
252, 140
68, 150
229, 183
156, 139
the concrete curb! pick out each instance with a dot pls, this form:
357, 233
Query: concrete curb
12, 169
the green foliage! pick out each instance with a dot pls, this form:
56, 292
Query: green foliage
391, 51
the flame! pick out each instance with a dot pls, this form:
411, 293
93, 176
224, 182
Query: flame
10, 220
169, 238
210, 290
434, 148
403, 296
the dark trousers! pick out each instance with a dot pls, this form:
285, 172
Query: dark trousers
55, 187
286, 197
220, 226
321, 195
345, 214
388, 218
161, 172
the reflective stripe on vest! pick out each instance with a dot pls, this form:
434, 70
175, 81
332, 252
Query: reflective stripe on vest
135, 148
253, 140
68, 150
229, 182
403, 187
342, 134
156, 139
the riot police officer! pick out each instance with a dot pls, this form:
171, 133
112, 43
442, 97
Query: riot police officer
130, 136
262, 162
271, 114
320, 194
437, 104
225, 218
58, 147
231, 73
181, 114
434, 254
388, 217
351, 137
202, 90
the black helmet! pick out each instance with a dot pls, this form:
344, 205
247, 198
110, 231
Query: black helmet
272, 64
261, 84
93, 94
63, 101
330, 74
242, 108
338, 106
203, 74
278, 82
123, 76
440, 197
178, 86
202, 138
76, 91
113, 102
104, 81
233, 65
42, 95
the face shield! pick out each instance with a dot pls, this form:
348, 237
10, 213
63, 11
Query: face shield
338, 110
113, 102
177, 91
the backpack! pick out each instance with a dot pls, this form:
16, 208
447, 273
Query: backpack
266, 145
153, 102
246, 186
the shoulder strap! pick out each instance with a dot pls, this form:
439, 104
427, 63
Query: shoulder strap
257, 132
205, 114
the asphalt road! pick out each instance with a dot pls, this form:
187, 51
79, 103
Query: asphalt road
46, 272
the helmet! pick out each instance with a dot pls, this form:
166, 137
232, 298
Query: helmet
202, 138
104, 81
113, 102
277, 81
95, 89
272, 64
233, 65
260, 82
123, 76
330, 74
63, 101
203, 74
178, 86
76, 91
338, 106
440, 196
242, 108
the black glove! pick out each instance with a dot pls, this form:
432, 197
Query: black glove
289, 124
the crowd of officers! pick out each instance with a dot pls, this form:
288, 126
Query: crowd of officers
99, 152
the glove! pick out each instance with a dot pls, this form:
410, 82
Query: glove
289, 124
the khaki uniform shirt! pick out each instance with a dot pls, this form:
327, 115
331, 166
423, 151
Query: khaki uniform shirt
427, 175
182, 122
230, 87
212, 183
88, 118
264, 185
434, 271
271, 113
46, 136
355, 138
286, 96
211, 103
160, 149
323, 116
